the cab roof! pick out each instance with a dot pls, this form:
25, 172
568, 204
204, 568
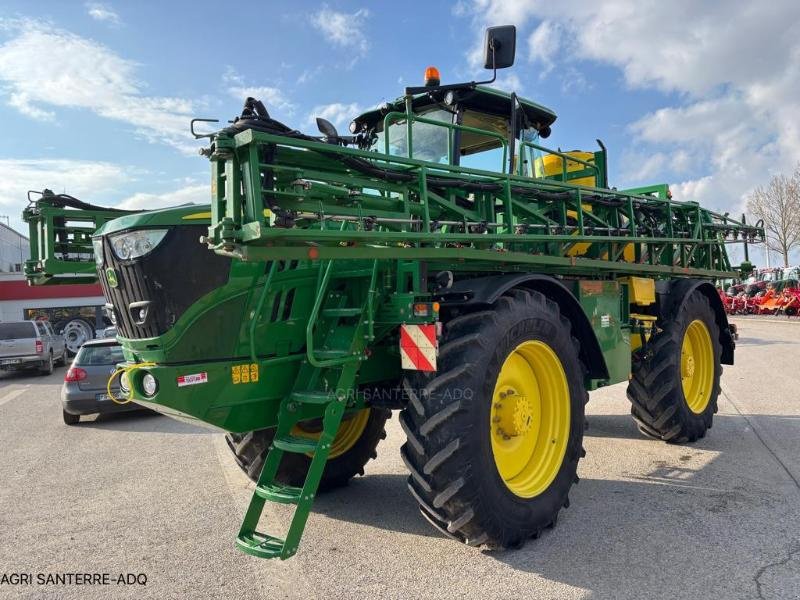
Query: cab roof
480, 98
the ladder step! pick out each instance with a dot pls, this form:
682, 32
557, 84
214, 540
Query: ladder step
283, 494
313, 397
341, 312
259, 544
293, 443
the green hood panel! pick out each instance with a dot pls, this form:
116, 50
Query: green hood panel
191, 214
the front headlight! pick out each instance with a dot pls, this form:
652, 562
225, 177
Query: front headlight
124, 383
150, 385
97, 243
134, 244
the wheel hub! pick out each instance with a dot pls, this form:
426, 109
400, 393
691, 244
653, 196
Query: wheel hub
512, 413
688, 366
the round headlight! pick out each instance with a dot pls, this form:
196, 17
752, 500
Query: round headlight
149, 384
142, 245
123, 247
124, 383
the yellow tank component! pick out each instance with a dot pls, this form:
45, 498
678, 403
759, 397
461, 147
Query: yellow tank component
628, 254
579, 249
641, 290
642, 326
552, 166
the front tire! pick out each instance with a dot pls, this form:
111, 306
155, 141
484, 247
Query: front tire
357, 443
675, 379
494, 437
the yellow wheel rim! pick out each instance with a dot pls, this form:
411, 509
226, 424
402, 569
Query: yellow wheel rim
530, 419
349, 433
697, 366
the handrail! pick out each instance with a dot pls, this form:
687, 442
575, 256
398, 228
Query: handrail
312, 319
371, 301
259, 306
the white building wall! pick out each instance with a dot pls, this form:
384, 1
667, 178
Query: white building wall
13, 310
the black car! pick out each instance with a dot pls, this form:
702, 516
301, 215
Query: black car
85, 385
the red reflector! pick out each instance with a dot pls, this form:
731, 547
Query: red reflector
75, 374
39, 346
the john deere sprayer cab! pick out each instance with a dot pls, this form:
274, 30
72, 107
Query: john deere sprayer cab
438, 260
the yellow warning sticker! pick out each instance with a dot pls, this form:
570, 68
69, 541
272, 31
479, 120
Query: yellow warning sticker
244, 373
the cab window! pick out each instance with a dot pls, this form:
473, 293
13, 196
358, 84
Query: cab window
429, 141
479, 151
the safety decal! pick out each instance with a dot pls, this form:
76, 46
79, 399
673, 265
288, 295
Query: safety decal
193, 379
244, 373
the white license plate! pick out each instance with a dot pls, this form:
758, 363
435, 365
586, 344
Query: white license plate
11, 361
102, 397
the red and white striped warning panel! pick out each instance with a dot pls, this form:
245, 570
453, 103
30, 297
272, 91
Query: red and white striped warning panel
418, 347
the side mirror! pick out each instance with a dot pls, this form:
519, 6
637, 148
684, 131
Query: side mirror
327, 129
500, 47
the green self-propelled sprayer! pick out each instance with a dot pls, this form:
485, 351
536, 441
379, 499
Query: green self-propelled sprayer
440, 261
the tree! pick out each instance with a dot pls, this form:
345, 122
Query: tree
778, 204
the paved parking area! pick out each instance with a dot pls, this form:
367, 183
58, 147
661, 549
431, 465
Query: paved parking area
143, 494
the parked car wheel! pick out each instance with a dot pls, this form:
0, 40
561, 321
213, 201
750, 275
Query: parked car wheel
47, 366
70, 419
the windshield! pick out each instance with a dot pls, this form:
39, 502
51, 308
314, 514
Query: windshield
100, 355
429, 141
17, 331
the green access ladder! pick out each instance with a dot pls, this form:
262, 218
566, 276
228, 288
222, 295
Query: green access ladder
326, 381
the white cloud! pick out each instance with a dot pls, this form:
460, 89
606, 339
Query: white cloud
544, 44
272, 97
508, 81
102, 12
734, 68
338, 113
342, 29
86, 180
190, 194
42, 68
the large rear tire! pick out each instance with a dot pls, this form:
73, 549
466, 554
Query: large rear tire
494, 437
357, 440
675, 379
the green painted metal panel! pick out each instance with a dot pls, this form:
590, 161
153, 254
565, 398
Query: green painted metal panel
602, 301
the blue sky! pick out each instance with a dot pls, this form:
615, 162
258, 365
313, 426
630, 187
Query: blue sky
95, 97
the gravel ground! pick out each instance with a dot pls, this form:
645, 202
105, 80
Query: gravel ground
139, 493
